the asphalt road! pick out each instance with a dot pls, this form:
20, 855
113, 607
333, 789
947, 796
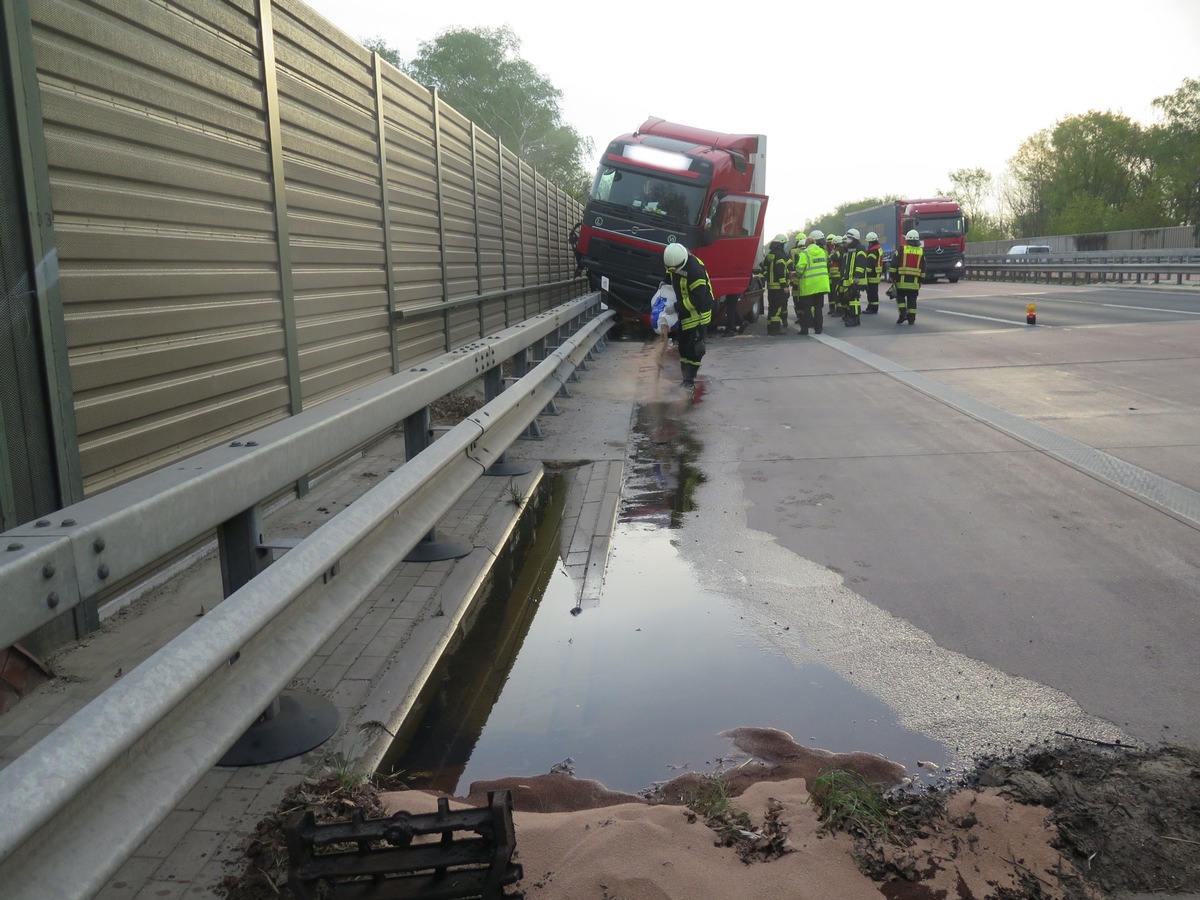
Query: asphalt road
992, 526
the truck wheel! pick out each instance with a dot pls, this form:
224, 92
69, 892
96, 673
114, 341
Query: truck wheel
754, 313
953, 279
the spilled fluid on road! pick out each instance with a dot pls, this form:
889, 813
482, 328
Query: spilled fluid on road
636, 688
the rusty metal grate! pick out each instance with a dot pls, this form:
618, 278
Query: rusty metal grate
406, 855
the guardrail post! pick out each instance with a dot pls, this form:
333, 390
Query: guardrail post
295, 722
430, 549
493, 384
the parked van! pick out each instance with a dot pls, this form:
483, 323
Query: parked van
1024, 249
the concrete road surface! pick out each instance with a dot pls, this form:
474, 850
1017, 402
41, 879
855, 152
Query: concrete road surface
992, 526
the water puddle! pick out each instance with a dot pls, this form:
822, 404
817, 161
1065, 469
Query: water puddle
636, 689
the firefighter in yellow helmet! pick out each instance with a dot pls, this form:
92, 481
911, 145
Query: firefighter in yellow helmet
908, 270
833, 253
800, 238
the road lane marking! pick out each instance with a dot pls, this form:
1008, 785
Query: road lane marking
1180, 501
949, 312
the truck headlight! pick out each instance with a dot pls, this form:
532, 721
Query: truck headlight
958, 264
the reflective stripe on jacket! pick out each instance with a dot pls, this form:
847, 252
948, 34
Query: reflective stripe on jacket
874, 264
775, 268
854, 266
694, 293
910, 266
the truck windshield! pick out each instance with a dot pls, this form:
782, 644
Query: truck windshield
648, 195
934, 226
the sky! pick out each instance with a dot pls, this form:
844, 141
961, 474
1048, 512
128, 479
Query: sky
832, 99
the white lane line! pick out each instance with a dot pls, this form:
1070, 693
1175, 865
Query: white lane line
949, 312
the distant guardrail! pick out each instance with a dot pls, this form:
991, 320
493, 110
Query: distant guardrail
1137, 267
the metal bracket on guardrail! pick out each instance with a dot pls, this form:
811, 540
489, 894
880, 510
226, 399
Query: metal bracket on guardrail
393, 856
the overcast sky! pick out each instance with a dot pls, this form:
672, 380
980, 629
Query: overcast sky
840, 123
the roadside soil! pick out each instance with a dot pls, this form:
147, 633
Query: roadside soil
1077, 821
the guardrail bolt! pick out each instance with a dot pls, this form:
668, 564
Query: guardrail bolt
52, 599
42, 523
47, 571
102, 572
98, 544
14, 546
67, 523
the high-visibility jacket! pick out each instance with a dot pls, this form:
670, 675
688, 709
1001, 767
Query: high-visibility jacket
812, 269
693, 293
874, 264
909, 265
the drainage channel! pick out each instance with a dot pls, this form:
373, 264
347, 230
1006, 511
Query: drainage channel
638, 687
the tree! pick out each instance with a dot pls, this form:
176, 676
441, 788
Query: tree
1175, 145
972, 188
378, 45
1030, 173
1100, 176
480, 73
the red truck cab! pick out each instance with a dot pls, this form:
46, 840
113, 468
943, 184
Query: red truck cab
668, 183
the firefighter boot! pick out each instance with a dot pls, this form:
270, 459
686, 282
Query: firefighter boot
903, 316
912, 318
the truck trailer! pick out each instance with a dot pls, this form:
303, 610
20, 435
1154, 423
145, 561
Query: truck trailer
940, 222
667, 183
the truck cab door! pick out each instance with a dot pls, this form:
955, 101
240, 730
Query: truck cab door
732, 238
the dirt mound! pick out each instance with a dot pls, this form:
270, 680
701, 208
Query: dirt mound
1129, 820
1106, 821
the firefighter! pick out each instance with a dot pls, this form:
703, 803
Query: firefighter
854, 277
812, 277
908, 270
775, 271
693, 304
801, 240
833, 254
874, 272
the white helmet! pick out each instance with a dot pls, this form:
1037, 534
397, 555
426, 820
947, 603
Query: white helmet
913, 235
674, 256
852, 233
780, 239
816, 234
872, 236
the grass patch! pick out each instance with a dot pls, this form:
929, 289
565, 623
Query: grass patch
515, 495
709, 799
846, 801
712, 803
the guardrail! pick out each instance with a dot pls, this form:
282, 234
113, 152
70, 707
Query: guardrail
1152, 267
80, 802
